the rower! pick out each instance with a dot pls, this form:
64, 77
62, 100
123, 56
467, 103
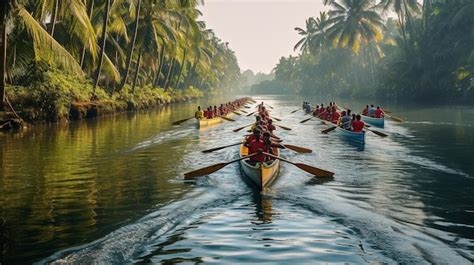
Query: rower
257, 146
365, 111
358, 125
270, 126
253, 136
379, 113
345, 121
335, 115
372, 110
199, 114
316, 111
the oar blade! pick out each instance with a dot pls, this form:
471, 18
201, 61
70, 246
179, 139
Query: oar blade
219, 148
181, 121
329, 129
250, 114
283, 127
381, 134
227, 119
235, 112
303, 121
243, 111
276, 118
294, 111
204, 171
321, 173
395, 118
298, 149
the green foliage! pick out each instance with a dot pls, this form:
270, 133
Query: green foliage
270, 87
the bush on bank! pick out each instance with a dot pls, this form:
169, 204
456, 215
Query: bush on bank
55, 96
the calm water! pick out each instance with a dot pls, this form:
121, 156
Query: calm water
112, 191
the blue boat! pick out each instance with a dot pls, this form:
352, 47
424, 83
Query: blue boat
379, 122
358, 137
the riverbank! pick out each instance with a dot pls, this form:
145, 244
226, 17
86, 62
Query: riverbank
58, 97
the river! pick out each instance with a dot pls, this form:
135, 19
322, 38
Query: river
111, 190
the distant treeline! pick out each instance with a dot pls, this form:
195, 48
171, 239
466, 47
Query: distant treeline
422, 52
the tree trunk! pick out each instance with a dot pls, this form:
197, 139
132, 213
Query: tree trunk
137, 69
162, 58
54, 18
181, 70
168, 76
83, 55
102, 47
191, 72
130, 52
3, 52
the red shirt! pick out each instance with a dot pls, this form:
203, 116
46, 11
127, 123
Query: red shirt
378, 113
271, 128
357, 126
254, 147
335, 117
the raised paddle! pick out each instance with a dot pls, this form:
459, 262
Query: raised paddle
297, 148
283, 127
211, 169
294, 111
181, 121
310, 169
251, 113
219, 148
239, 129
227, 119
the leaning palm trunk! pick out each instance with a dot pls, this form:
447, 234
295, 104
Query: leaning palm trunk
102, 47
83, 55
3, 52
54, 18
191, 72
162, 58
168, 76
137, 69
181, 70
130, 52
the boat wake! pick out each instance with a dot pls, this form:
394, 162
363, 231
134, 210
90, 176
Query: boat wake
161, 138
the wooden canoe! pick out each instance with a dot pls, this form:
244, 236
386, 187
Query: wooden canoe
260, 175
358, 137
203, 123
379, 122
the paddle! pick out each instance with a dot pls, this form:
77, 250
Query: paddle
294, 111
283, 127
276, 118
213, 168
297, 148
310, 169
247, 107
219, 148
243, 111
235, 112
381, 134
181, 121
269, 106
250, 114
239, 129
394, 118
329, 129
303, 121
227, 119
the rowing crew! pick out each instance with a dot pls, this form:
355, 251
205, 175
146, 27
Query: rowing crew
222, 110
260, 140
373, 112
345, 119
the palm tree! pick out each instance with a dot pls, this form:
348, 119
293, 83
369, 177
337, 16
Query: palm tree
314, 37
103, 41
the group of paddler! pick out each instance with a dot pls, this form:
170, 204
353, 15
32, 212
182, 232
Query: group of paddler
262, 146
344, 119
222, 110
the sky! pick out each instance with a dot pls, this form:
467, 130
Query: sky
259, 31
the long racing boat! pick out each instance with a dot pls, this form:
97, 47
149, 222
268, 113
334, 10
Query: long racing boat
204, 122
379, 122
260, 175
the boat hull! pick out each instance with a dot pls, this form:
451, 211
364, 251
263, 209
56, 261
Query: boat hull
203, 123
379, 122
260, 175
358, 137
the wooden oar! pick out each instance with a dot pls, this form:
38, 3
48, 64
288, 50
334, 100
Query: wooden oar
394, 118
239, 129
181, 121
298, 148
243, 111
294, 111
227, 119
303, 121
269, 106
329, 129
211, 169
276, 118
247, 107
310, 169
251, 113
219, 148
283, 127
235, 112
381, 134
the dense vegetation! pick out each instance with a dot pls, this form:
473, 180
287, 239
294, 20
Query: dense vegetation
116, 54
424, 51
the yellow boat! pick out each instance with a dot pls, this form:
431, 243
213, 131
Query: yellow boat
262, 174
203, 123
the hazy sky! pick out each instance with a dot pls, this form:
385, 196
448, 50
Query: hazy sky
259, 31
